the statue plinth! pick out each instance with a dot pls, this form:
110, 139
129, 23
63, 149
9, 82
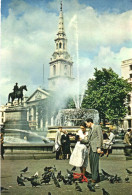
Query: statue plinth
16, 119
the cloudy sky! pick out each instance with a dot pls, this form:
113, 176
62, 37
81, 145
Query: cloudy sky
29, 27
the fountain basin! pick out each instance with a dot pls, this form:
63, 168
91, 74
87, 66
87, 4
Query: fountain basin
18, 151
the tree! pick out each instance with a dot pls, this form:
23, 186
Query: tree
107, 93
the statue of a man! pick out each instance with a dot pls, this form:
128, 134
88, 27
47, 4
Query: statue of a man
15, 89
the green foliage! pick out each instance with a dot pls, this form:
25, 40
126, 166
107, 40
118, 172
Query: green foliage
107, 93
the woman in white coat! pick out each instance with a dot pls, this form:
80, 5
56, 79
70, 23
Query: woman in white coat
79, 156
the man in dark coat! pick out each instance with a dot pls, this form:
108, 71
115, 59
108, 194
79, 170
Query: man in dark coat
65, 141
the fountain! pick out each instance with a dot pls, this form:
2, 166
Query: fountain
70, 119
19, 141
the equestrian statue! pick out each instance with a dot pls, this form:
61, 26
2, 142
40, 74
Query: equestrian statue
17, 93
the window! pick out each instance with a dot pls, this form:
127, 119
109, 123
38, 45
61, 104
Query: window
130, 67
54, 70
129, 98
59, 45
63, 45
130, 76
129, 110
129, 123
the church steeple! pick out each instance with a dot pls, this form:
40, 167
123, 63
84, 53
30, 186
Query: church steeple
61, 62
61, 20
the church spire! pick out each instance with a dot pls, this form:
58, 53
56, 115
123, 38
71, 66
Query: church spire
61, 20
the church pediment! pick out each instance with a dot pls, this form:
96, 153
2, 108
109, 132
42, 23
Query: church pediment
39, 94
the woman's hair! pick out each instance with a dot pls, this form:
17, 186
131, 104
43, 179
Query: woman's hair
83, 124
89, 120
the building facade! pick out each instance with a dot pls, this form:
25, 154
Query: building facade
126, 71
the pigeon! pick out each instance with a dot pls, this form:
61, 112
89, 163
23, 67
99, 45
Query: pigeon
49, 193
22, 177
111, 179
127, 179
59, 176
45, 180
129, 172
36, 174
30, 178
91, 186
47, 168
117, 179
73, 169
77, 187
105, 192
56, 182
69, 172
20, 181
106, 174
24, 170
35, 183
88, 175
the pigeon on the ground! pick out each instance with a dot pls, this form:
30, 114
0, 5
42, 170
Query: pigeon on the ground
47, 168
49, 193
91, 186
69, 172
106, 174
127, 179
105, 192
73, 169
24, 170
20, 181
56, 182
77, 187
88, 175
117, 179
36, 174
23, 178
35, 183
111, 179
129, 172
45, 180
59, 176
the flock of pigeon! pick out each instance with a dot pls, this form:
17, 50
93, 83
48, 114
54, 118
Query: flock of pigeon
50, 173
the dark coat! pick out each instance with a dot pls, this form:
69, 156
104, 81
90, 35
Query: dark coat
65, 141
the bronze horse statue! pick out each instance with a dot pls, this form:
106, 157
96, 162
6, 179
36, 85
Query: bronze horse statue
19, 94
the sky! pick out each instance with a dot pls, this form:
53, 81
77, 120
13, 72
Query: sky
29, 27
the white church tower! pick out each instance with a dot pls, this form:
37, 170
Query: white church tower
61, 63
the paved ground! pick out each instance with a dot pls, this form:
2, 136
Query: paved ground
11, 168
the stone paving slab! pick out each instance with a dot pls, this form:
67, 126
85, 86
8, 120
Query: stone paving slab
11, 168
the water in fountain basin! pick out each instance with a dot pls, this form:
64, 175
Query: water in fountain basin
25, 136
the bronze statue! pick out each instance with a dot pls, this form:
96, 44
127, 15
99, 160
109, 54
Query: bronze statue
15, 89
17, 93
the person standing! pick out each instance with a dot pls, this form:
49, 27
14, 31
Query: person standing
127, 137
95, 143
107, 144
65, 141
79, 156
58, 142
2, 147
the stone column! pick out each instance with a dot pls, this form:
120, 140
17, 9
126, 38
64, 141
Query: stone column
125, 124
36, 118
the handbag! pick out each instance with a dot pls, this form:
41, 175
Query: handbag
57, 147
